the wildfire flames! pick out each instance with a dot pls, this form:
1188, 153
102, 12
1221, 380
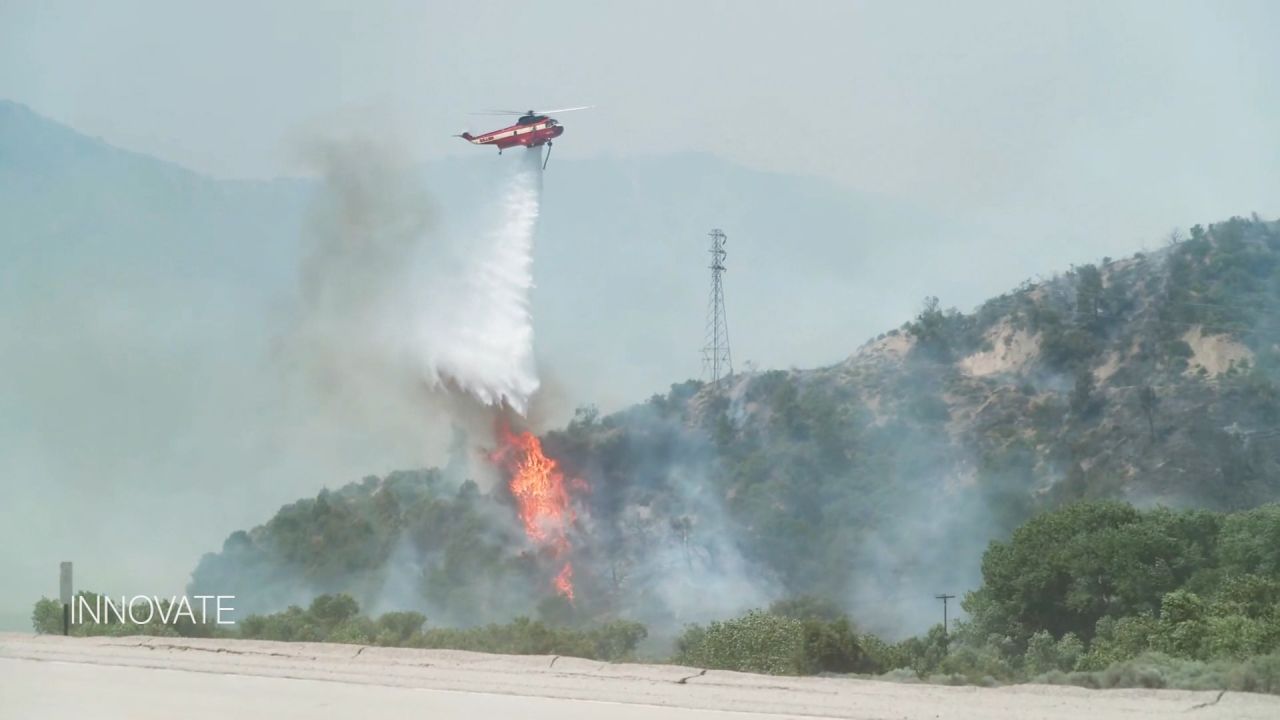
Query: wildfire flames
541, 497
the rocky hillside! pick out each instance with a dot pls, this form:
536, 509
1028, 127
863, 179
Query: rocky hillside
1148, 379
877, 482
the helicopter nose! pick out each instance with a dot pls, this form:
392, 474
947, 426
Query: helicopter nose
557, 131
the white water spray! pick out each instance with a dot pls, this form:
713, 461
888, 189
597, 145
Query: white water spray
485, 344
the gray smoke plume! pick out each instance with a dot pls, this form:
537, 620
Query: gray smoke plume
405, 327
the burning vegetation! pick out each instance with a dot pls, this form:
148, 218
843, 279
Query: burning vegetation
542, 497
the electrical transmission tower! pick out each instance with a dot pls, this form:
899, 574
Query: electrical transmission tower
717, 362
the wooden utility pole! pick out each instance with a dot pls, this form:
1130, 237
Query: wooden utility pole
946, 640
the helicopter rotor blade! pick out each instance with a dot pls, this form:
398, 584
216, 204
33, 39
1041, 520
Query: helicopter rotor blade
531, 112
569, 109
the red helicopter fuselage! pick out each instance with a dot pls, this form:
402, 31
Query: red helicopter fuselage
530, 131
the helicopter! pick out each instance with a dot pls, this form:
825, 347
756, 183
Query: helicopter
534, 128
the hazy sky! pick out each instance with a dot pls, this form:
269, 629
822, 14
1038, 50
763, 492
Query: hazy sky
1147, 113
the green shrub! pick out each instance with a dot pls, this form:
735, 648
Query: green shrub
1257, 674
755, 642
1238, 637
398, 628
330, 611
1156, 670
1182, 631
46, 618
976, 665
337, 618
885, 657
1044, 654
1118, 639
831, 646
616, 640
778, 644
354, 631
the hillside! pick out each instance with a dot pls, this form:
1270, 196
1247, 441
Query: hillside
876, 482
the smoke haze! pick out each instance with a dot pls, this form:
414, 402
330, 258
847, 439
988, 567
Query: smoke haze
180, 356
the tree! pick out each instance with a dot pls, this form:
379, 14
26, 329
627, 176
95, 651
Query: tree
329, 611
1089, 295
1044, 654
46, 618
1148, 400
1084, 402
1183, 629
1065, 570
1250, 541
930, 330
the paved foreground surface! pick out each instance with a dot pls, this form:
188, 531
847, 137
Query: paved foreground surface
137, 677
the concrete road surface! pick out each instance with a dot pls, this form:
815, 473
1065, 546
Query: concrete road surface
35, 689
139, 678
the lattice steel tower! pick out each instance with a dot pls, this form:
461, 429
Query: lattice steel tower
717, 362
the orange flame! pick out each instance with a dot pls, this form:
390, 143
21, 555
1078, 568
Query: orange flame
564, 581
542, 500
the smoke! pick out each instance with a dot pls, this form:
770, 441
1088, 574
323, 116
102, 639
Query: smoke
414, 330
411, 322
655, 543
344, 356
901, 565
693, 569
411, 312
415, 322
